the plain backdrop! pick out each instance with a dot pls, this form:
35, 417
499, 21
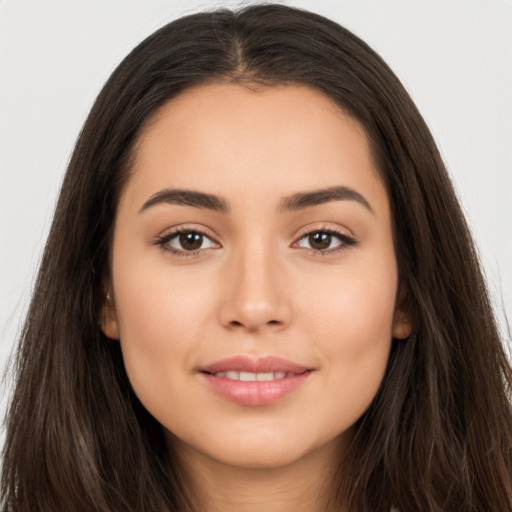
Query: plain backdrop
453, 56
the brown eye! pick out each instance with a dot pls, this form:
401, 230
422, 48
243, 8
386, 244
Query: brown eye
186, 243
325, 241
191, 241
320, 240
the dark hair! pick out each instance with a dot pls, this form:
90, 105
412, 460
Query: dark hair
438, 435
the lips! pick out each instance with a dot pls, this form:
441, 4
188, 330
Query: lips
261, 365
251, 376
254, 382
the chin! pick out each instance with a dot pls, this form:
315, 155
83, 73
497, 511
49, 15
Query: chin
257, 450
268, 457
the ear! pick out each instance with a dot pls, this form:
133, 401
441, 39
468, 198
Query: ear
109, 324
403, 322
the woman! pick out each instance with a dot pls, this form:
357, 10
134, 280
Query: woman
259, 292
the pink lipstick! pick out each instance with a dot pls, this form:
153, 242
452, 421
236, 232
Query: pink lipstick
254, 382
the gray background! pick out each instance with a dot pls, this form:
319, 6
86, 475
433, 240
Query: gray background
454, 57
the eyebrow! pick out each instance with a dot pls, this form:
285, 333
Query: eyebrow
298, 201
304, 200
187, 198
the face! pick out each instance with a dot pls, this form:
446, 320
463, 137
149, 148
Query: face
254, 280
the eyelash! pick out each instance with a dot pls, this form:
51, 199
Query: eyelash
346, 241
163, 241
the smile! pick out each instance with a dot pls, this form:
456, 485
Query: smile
254, 382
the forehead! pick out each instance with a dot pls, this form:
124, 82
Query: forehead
226, 137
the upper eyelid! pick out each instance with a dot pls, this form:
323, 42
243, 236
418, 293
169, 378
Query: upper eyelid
339, 231
342, 236
170, 232
173, 234
325, 229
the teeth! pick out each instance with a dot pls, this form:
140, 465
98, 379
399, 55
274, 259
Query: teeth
250, 376
247, 376
265, 376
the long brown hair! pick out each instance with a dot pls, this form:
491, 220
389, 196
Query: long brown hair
438, 435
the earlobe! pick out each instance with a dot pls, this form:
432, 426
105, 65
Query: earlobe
402, 327
109, 325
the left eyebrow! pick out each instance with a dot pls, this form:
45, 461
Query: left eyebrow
303, 200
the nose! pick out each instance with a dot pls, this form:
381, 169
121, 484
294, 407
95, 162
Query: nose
255, 295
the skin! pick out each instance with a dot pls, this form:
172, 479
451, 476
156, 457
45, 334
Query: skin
255, 287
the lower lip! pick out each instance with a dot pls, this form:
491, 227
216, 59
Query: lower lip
255, 392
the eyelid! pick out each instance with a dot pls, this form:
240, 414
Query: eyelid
346, 239
166, 236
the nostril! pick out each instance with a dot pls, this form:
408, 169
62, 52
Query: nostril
237, 324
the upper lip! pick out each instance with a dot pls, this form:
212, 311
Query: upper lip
259, 365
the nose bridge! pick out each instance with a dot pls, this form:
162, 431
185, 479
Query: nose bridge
255, 296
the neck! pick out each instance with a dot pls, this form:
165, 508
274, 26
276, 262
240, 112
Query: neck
301, 486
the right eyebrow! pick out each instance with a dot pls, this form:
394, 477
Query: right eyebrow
185, 197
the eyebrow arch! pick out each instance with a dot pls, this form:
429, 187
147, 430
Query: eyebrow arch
185, 197
303, 200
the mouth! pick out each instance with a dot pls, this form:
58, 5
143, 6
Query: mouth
253, 377
254, 382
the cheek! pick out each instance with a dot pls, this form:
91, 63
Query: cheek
352, 327
161, 319
355, 305
157, 301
